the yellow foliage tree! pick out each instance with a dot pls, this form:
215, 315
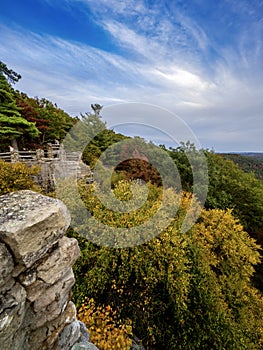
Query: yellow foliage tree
17, 176
182, 290
106, 331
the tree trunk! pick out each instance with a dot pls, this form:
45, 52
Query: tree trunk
14, 144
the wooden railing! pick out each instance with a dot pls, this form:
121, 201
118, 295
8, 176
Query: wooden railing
6, 156
18, 156
50, 152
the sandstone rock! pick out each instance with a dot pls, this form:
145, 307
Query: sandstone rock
83, 343
59, 261
20, 340
69, 336
36, 275
8, 285
12, 311
6, 264
35, 290
51, 312
45, 337
50, 269
28, 277
49, 300
30, 224
54, 292
84, 332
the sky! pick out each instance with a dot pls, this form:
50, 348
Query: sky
199, 60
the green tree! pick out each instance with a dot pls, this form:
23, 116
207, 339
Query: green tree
59, 122
230, 187
83, 132
11, 75
12, 124
99, 144
91, 136
96, 108
246, 163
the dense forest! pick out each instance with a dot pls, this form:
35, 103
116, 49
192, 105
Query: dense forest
249, 162
200, 289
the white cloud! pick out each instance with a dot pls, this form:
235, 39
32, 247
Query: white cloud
120, 7
221, 101
182, 78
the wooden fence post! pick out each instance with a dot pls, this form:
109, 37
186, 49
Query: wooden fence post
14, 156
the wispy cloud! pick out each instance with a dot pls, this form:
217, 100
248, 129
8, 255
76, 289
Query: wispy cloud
165, 57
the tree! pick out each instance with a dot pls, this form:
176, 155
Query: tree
246, 163
230, 187
29, 110
12, 124
180, 290
91, 137
17, 176
134, 164
101, 142
96, 108
105, 331
11, 75
52, 122
59, 122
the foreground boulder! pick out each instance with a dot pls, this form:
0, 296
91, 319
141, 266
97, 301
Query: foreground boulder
36, 275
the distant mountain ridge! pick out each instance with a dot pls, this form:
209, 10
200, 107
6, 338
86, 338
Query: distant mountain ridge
247, 161
256, 155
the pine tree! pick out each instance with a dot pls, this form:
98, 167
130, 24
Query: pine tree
12, 124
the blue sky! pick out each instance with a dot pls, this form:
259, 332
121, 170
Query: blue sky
200, 59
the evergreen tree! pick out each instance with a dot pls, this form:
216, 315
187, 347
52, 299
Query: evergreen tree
11, 75
12, 124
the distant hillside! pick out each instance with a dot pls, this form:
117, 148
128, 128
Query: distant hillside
247, 161
256, 155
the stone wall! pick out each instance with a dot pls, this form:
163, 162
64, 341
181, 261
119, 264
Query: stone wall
36, 275
54, 169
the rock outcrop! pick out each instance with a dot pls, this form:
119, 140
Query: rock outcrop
36, 275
